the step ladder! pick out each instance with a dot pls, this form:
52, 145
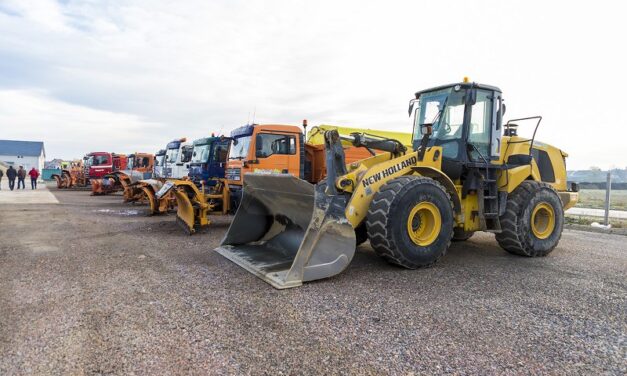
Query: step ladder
489, 201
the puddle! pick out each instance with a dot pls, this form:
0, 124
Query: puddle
124, 212
40, 247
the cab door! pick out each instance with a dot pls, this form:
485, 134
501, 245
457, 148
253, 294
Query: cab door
217, 159
276, 153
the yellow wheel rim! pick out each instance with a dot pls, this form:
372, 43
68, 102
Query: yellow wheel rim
424, 223
543, 220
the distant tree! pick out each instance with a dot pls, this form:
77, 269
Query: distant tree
595, 168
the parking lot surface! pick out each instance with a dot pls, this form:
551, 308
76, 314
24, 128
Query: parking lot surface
92, 286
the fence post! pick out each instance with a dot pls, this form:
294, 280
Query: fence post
608, 189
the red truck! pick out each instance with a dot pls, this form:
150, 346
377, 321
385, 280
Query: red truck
98, 164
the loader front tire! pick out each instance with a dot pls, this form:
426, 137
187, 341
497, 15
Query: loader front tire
533, 221
410, 221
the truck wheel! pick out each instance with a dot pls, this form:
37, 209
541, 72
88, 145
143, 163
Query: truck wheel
533, 222
410, 221
459, 235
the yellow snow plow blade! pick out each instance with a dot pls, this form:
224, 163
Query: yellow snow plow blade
192, 207
287, 231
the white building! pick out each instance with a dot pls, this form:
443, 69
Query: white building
23, 153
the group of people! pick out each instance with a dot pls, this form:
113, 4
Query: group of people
20, 174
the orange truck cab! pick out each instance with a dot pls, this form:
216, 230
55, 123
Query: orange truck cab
276, 149
267, 148
141, 163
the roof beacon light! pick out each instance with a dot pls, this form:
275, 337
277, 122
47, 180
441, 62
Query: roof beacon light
466, 79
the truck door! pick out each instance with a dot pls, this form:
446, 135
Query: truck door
274, 152
217, 159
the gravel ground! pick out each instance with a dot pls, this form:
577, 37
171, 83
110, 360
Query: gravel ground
90, 286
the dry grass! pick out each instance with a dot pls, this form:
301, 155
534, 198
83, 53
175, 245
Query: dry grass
595, 198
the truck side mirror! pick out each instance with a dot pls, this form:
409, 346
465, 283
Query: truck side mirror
426, 129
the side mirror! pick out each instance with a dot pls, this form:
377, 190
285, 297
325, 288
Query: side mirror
504, 108
193, 154
426, 129
411, 106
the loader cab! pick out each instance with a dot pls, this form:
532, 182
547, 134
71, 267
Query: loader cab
464, 119
208, 159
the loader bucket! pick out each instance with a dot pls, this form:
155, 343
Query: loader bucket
287, 231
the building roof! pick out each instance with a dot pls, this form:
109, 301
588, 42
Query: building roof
23, 148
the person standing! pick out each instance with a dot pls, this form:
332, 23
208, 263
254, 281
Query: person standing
21, 175
34, 174
1, 175
11, 174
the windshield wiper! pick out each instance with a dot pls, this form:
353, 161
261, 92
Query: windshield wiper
437, 116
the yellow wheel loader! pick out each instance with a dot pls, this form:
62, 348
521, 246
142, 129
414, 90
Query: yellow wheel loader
466, 172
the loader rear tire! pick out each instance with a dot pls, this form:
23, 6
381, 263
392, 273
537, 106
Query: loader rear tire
459, 235
533, 221
410, 221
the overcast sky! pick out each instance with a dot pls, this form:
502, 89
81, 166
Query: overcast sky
129, 76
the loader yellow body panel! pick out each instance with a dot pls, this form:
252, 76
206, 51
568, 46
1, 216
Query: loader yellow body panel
368, 178
550, 157
315, 135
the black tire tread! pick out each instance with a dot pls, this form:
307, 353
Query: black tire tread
379, 213
511, 236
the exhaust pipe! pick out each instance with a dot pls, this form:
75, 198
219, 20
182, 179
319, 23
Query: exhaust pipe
287, 231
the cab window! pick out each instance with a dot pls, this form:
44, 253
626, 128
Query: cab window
480, 124
271, 144
220, 151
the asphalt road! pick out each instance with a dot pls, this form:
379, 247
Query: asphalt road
90, 286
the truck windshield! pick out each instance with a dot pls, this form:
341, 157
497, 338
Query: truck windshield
201, 153
172, 155
239, 147
98, 160
130, 163
159, 160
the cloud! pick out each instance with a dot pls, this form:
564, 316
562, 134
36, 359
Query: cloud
29, 114
189, 68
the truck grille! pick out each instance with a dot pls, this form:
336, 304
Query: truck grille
233, 174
